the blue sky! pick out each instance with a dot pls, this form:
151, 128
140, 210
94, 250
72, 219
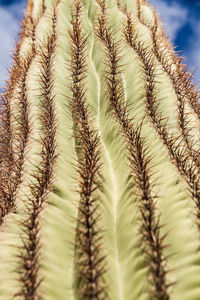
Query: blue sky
181, 19
11, 12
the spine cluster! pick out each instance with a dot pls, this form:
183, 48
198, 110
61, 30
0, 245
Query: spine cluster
29, 258
139, 162
179, 155
89, 263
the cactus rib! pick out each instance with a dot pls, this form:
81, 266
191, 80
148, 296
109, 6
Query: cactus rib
139, 163
29, 258
89, 265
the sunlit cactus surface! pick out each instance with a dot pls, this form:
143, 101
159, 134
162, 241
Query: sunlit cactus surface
99, 158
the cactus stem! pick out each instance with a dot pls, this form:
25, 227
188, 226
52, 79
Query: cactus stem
15, 133
29, 257
139, 163
89, 266
113, 180
178, 80
179, 156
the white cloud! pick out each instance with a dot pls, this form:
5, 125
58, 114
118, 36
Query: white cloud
173, 16
194, 50
9, 26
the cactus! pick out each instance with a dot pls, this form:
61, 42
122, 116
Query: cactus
100, 184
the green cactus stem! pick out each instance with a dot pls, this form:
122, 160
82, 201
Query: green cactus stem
99, 164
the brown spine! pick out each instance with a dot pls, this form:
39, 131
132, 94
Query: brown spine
29, 258
179, 79
139, 165
90, 262
43, 6
10, 166
178, 155
14, 134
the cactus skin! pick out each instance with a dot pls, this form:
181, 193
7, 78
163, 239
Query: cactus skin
100, 184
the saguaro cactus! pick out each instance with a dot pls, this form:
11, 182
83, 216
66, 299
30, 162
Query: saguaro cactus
100, 169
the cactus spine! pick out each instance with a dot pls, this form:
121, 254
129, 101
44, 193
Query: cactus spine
100, 171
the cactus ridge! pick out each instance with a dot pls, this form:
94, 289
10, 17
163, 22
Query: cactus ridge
139, 163
15, 131
186, 167
7, 159
89, 264
99, 158
29, 258
179, 79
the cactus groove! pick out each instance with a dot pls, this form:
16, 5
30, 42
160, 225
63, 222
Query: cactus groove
99, 165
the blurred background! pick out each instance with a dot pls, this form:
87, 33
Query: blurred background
181, 19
